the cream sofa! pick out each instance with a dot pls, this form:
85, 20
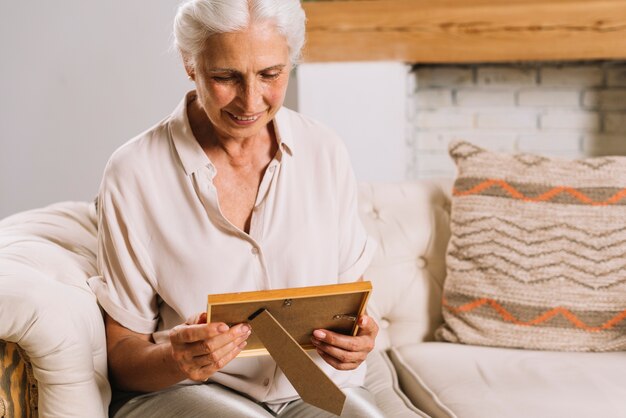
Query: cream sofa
46, 256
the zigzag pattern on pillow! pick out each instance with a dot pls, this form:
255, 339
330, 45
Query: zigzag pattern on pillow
537, 257
598, 196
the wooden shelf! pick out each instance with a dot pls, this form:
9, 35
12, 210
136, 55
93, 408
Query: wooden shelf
465, 31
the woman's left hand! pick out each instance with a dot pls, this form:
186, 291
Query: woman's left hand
345, 352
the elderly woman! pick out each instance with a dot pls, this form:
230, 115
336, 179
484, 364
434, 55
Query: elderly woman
231, 192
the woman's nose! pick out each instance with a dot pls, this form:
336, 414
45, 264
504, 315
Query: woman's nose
251, 96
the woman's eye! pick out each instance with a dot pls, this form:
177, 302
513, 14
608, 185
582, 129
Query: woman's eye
223, 79
270, 76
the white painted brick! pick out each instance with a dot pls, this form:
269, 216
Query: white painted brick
444, 119
483, 97
605, 99
432, 98
615, 122
430, 141
434, 162
548, 109
504, 75
571, 75
444, 76
513, 119
493, 140
616, 76
570, 119
548, 97
604, 144
544, 141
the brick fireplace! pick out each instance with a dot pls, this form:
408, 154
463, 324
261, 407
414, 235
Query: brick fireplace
568, 109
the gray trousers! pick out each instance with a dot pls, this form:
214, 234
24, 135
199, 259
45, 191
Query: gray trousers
214, 400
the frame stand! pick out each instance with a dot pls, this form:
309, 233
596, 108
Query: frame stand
311, 383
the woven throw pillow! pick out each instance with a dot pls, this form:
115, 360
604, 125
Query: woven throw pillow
537, 256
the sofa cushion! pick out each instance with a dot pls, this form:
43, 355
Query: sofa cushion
455, 380
382, 383
537, 257
410, 221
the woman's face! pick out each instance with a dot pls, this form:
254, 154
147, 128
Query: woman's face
241, 79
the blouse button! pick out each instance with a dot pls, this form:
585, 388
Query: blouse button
421, 262
255, 250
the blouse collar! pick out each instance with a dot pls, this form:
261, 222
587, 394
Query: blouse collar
191, 154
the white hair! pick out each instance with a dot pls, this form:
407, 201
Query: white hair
197, 20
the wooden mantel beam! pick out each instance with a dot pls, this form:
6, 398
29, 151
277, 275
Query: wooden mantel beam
465, 31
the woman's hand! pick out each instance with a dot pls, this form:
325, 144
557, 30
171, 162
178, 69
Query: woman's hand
345, 352
200, 349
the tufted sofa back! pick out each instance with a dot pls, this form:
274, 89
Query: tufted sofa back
410, 221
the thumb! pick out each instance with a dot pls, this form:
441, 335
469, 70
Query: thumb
367, 325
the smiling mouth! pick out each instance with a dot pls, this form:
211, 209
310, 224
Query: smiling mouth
250, 118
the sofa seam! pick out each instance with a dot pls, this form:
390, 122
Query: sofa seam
396, 386
421, 383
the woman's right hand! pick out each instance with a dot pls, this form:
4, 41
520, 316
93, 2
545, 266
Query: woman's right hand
200, 349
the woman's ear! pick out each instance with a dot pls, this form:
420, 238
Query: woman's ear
189, 67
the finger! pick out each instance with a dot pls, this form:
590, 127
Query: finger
346, 342
209, 357
336, 363
214, 357
182, 334
223, 352
238, 332
203, 373
367, 326
233, 333
341, 355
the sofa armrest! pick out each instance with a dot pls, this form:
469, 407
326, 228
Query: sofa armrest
46, 257
56, 325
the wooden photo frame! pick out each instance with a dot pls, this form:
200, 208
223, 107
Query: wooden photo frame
300, 311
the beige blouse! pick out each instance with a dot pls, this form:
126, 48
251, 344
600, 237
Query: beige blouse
164, 245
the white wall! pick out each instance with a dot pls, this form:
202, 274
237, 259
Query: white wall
78, 78
365, 103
